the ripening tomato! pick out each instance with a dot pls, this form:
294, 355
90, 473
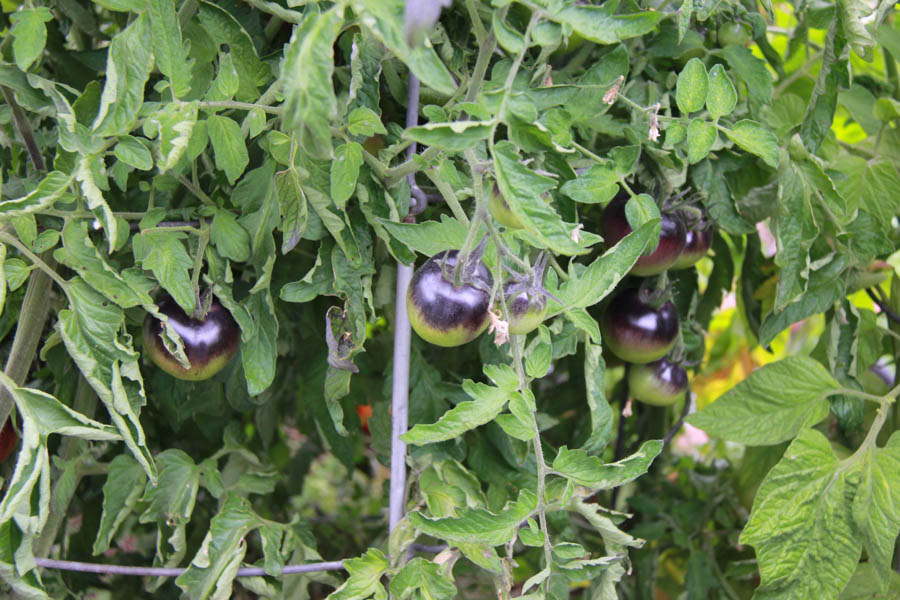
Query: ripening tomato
660, 383
635, 331
442, 313
696, 246
671, 237
208, 343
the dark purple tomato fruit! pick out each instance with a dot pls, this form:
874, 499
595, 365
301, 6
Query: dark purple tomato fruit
696, 246
501, 211
526, 312
636, 332
671, 237
8, 439
209, 344
660, 383
442, 313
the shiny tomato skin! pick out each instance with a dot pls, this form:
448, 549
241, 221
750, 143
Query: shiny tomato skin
209, 344
671, 237
660, 383
526, 312
733, 34
442, 313
696, 246
636, 332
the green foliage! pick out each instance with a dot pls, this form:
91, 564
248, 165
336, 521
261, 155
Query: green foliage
257, 152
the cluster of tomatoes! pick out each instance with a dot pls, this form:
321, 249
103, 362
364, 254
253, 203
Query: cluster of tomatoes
449, 304
638, 325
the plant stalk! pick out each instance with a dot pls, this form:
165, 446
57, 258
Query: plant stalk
32, 317
23, 126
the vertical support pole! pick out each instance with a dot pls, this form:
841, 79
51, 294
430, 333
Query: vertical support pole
402, 333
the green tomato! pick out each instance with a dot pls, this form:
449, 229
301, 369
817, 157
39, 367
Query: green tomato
501, 211
208, 343
660, 383
733, 34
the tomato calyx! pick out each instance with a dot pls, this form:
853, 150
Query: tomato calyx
449, 296
526, 297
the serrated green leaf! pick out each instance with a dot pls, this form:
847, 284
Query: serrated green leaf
805, 543
876, 505
595, 392
230, 239
487, 403
362, 120
176, 125
91, 186
227, 81
365, 577
870, 184
721, 98
91, 331
509, 39
833, 74
212, 571
826, 286
172, 57
701, 135
601, 276
428, 237
124, 485
478, 525
228, 146
752, 70
29, 32
385, 18
132, 152
691, 87
225, 29
453, 137
51, 187
310, 103
599, 24
163, 253
591, 472
756, 139
128, 66
294, 210
259, 351
127, 288
598, 185
772, 404
522, 189
420, 578
348, 158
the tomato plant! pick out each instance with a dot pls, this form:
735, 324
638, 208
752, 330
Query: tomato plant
247, 188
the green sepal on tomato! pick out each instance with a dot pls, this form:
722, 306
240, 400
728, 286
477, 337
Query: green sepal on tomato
660, 383
526, 312
209, 343
443, 313
637, 332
